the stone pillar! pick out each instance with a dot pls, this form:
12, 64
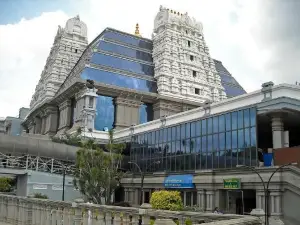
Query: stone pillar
210, 200
127, 112
126, 194
166, 108
275, 197
43, 123
260, 199
64, 116
51, 120
89, 109
277, 130
38, 125
201, 199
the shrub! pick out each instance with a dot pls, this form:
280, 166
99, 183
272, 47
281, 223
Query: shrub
39, 195
5, 184
166, 200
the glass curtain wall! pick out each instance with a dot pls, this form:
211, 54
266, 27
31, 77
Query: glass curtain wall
218, 142
105, 114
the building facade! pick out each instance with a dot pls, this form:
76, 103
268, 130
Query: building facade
136, 80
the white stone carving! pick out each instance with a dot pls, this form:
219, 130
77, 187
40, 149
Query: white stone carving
183, 66
69, 44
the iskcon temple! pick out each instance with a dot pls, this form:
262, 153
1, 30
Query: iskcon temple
188, 123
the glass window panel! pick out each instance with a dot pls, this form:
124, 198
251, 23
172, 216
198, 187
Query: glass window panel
233, 90
253, 116
228, 140
183, 146
247, 137
234, 120
106, 46
193, 145
215, 124
222, 141
180, 163
198, 144
241, 156
204, 144
234, 159
221, 123
119, 80
146, 113
228, 158
188, 130
228, 121
209, 161
241, 143
204, 127
173, 148
178, 132
253, 156
173, 163
149, 138
215, 142
128, 39
209, 126
105, 116
198, 161
153, 137
253, 136
209, 143
156, 137
240, 119
173, 133
165, 131
222, 159
198, 128
169, 134
182, 131
246, 117
177, 147
122, 64
234, 139
193, 129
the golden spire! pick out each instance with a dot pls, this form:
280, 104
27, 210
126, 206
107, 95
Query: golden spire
137, 30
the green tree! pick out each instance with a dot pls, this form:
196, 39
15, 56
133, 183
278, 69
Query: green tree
166, 200
97, 172
5, 184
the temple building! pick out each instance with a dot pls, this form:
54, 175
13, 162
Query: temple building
137, 80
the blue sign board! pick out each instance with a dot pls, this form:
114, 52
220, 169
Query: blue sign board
268, 159
179, 181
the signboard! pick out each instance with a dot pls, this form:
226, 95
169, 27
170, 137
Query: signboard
233, 183
57, 187
39, 186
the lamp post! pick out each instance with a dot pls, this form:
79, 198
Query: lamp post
266, 186
142, 178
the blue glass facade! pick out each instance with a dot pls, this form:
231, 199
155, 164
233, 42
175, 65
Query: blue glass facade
105, 113
135, 41
122, 64
232, 87
122, 50
221, 141
119, 80
146, 113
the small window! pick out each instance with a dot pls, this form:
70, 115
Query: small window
189, 43
197, 91
194, 73
191, 57
75, 50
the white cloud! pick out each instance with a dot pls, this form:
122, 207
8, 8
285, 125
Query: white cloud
228, 27
24, 48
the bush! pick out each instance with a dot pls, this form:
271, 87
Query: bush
5, 184
166, 200
39, 195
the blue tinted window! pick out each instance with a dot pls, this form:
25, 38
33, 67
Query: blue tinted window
221, 123
146, 113
118, 80
129, 40
203, 125
228, 121
209, 126
234, 120
233, 90
246, 118
215, 124
125, 51
240, 119
188, 130
105, 113
253, 116
228, 140
241, 143
122, 64
193, 129
222, 141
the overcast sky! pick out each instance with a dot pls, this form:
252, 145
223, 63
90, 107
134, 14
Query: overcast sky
257, 40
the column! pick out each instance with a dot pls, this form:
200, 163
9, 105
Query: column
126, 195
89, 110
64, 116
43, 123
127, 111
260, 199
277, 130
275, 197
38, 125
166, 108
201, 199
210, 197
51, 120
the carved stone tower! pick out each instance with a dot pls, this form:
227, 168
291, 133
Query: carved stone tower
68, 46
183, 66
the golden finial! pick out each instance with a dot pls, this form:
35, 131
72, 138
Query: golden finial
137, 30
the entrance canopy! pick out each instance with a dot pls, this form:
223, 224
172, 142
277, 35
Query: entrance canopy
179, 181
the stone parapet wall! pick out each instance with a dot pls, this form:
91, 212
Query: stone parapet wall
21, 210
